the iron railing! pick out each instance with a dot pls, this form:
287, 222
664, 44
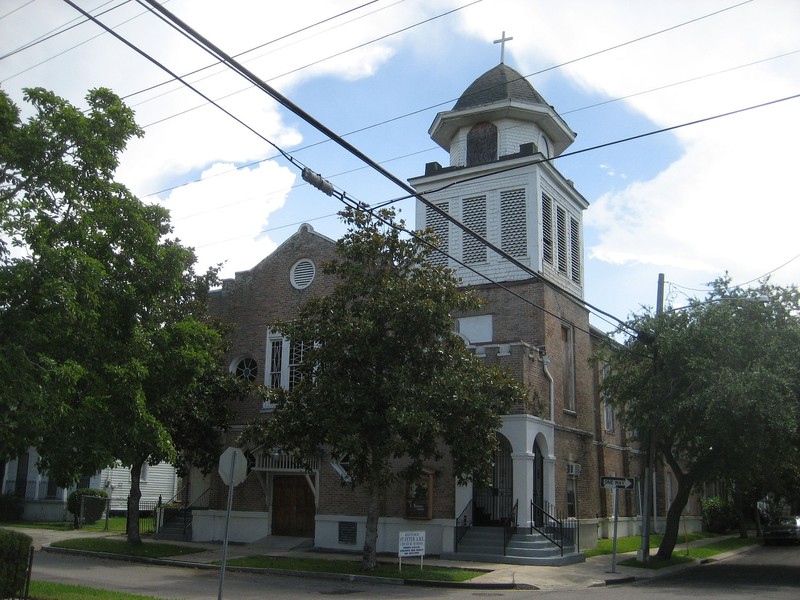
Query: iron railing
510, 526
463, 523
553, 525
148, 515
182, 515
491, 506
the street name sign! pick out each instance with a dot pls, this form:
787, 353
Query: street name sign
623, 483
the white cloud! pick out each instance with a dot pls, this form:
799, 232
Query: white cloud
223, 214
727, 200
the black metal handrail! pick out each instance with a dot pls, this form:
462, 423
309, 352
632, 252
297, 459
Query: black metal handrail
551, 524
510, 526
181, 514
174, 499
187, 510
463, 523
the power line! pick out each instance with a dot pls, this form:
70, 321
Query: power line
253, 49
317, 62
13, 10
417, 111
343, 196
160, 65
545, 70
70, 48
214, 50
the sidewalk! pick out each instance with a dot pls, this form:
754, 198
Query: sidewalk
595, 571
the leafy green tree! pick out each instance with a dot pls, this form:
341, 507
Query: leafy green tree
383, 375
715, 385
104, 336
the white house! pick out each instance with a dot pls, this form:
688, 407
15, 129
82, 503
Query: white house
45, 501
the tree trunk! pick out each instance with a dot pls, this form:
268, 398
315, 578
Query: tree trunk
134, 537
369, 558
738, 506
672, 527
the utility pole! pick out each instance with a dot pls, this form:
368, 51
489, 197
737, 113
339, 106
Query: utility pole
649, 468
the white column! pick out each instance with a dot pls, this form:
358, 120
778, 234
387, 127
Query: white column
550, 480
522, 464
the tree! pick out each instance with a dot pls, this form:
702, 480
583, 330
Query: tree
383, 375
716, 385
103, 323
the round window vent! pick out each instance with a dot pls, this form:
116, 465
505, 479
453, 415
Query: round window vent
302, 273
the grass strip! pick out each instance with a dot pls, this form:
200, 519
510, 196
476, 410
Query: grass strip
349, 567
680, 556
46, 590
633, 543
119, 546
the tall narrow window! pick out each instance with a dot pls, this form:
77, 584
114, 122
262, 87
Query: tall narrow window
513, 222
572, 496
575, 248
547, 230
608, 409
275, 362
284, 361
474, 217
561, 232
439, 225
481, 144
568, 367
296, 351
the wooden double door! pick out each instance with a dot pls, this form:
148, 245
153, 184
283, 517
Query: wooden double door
293, 507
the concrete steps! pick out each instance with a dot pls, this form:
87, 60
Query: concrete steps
175, 528
485, 544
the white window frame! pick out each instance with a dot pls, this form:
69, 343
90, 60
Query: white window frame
287, 368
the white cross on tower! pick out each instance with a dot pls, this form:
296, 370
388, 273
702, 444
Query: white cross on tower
502, 41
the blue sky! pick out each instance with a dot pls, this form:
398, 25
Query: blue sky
691, 203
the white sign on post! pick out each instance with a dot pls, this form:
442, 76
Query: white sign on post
412, 543
232, 466
232, 470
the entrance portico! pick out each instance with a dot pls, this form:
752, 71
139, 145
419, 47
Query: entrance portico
533, 464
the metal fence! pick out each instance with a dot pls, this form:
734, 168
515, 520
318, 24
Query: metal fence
148, 514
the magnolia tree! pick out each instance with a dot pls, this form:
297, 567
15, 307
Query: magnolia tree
713, 387
384, 376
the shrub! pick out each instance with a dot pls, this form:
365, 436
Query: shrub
718, 514
15, 549
10, 507
92, 510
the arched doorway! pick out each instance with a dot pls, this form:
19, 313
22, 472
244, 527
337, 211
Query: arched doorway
538, 482
492, 502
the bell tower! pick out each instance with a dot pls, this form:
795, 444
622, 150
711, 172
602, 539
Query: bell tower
502, 136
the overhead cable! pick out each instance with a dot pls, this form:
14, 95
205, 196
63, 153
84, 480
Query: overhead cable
284, 101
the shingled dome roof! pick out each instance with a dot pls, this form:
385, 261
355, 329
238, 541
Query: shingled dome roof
496, 85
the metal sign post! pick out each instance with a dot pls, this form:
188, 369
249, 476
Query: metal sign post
232, 470
614, 484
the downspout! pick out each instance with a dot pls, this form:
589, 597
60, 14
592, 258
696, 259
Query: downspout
545, 362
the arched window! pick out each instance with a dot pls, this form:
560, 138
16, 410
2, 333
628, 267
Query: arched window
481, 144
245, 368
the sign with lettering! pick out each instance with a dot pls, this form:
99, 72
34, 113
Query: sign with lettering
412, 543
621, 483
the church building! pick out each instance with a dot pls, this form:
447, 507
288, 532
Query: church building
511, 227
